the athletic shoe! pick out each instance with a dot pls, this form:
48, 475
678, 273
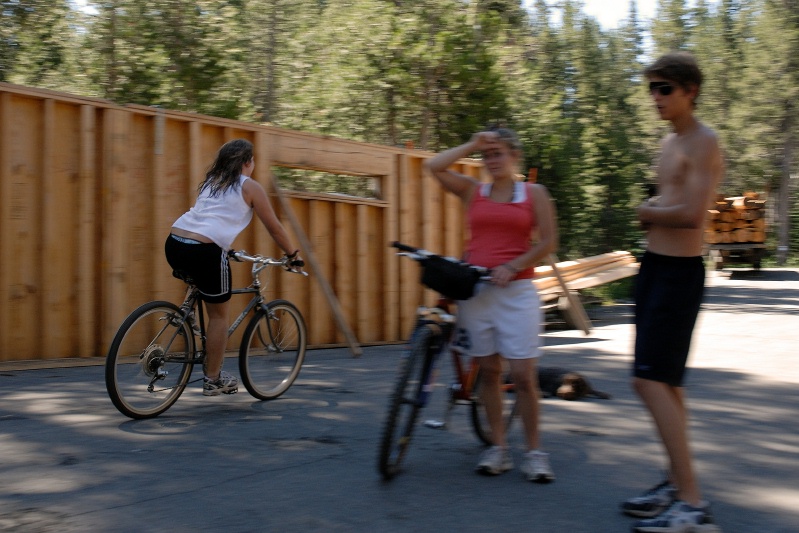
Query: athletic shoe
494, 461
652, 502
536, 467
224, 384
680, 518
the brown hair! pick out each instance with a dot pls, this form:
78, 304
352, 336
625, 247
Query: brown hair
679, 67
508, 137
224, 172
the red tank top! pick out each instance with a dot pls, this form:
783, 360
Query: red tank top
500, 231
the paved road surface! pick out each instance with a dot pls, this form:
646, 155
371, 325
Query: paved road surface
69, 462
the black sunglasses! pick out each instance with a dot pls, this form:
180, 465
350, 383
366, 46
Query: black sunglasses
664, 88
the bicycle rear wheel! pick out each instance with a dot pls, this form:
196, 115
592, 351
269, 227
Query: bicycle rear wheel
406, 401
148, 364
272, 350
479, 419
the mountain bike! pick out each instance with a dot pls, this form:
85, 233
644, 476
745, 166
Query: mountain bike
432, 335
153, 353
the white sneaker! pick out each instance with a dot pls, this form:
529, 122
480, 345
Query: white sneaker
536, 467
494, 461
224, 384
652, 502
680, 518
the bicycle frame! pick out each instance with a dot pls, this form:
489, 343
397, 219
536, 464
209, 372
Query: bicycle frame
461, 390
192, 301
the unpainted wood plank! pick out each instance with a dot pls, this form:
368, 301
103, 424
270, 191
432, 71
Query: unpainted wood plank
606, 276
582, 274
196, 161
567, 267
368, 326
294, 287
411, 291
296, 224
116, 221
575, 309
6, 234
331, 155
140, 184
59, 199
87, 249
321, 323
259, 240
21, 226
452, 226
391, 273
346, 273
161, 216
175, 194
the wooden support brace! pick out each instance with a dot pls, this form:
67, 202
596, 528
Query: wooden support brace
309, 255
574, 309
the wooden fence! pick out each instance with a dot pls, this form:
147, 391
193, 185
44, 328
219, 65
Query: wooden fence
89, 190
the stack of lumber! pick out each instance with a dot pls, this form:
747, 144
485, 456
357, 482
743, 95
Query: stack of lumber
584, 273
737, 219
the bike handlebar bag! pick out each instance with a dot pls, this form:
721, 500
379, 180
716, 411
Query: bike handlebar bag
452, 279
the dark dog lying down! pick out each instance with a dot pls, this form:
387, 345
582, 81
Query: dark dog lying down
565, 384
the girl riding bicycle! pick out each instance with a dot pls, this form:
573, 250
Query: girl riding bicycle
200, 239
512, 228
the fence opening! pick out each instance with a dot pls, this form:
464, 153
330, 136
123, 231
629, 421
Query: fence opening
316, 181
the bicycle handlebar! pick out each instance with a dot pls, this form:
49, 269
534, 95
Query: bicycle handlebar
285, 262
404, 247
420, 254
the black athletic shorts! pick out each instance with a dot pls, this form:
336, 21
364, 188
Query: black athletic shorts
668, 294
205, 263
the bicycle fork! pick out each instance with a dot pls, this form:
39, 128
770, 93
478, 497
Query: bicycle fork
445, 325
459, 390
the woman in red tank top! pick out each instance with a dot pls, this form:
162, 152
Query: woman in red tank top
512, 228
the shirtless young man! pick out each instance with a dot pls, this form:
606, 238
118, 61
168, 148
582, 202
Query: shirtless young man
669, 291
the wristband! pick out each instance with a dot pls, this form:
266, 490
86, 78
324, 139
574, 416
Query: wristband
293, 254
512, 268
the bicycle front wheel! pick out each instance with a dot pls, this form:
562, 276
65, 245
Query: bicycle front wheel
149, 362
272, 350
406, 401
479, 419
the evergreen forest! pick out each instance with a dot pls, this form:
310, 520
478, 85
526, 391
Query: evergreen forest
432, 72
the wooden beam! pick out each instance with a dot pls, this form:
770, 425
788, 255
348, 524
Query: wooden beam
605, 276
575, 308
310, 256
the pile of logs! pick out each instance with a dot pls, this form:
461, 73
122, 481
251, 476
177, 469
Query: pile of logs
737, 219
583, 273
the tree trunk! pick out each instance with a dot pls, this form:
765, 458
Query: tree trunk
111, 84
268, 101
785, 185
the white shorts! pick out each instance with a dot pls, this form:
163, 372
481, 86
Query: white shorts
500, 320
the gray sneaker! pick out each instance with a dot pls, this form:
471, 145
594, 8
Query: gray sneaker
652, 502
494, 461
536, 467
224, 384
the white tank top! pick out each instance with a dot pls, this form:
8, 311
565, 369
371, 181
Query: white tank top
220, 218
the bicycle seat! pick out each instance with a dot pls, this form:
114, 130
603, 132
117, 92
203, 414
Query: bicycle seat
183, 275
